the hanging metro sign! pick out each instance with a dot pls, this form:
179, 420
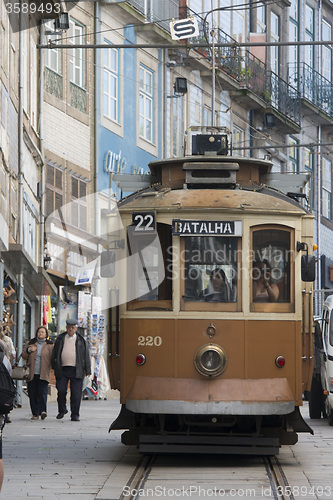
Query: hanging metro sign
184, 28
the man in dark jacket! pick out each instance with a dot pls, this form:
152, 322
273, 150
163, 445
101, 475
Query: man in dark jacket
71, 362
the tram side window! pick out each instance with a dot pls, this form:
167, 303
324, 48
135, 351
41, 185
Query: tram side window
150, 265
271, 266
210, 265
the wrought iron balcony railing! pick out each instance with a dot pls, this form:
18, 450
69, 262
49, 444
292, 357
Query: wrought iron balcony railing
251, 72
240, 64
312, 86
283, 97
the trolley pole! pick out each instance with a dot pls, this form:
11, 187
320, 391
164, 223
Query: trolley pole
213, 75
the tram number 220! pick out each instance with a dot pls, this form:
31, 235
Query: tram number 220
150, 341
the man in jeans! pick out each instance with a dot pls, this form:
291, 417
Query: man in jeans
71, 362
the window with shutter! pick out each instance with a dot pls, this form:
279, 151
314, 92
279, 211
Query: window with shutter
79, 204
54, 191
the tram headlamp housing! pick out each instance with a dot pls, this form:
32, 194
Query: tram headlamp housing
210, 360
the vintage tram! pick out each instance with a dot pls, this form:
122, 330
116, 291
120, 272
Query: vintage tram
201, 366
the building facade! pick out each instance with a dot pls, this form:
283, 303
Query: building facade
79, 126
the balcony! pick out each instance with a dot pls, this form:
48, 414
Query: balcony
314, 89
248, 78
283, 98
53, 82
78, 97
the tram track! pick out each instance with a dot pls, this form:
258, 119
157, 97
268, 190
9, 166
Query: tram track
272, 484
281, 490
138, 478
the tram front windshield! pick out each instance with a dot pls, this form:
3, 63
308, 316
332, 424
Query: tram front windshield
210, 265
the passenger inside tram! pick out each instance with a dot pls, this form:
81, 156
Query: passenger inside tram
210, 269
218, 289
264, 290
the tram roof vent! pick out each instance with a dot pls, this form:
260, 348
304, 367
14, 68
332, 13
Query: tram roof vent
204, 173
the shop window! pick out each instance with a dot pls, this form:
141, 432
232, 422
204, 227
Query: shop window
210, 271
27, 332
150, 269
272, 270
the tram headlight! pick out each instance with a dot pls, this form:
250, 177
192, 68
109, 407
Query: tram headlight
210, 360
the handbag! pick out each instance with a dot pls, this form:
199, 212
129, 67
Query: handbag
20, 372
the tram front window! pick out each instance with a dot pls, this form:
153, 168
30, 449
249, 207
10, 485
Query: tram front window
271, 266
210, 268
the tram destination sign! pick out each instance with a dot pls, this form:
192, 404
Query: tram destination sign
206, 227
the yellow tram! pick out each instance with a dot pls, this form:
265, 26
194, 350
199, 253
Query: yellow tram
210, 331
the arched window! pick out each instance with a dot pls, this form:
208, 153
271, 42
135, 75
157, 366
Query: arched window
272, 269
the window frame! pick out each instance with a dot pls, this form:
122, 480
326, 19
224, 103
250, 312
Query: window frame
148, 97
293, 156
3, 191
274, 307
261, 18
326, 161
112, 74
275, 37
326, 51
53, 189
309, 28
309, 168
211, 306
52, 54
238, 139
164, 233
76, 54
80, 201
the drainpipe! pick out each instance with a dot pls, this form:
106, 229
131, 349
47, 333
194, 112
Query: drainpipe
319, 301
96, 98
97, 216
20, 286
41, 148
213, 75
165, 99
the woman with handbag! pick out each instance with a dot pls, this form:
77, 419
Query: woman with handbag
38, 352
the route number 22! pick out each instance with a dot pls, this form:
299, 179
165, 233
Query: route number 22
144, 222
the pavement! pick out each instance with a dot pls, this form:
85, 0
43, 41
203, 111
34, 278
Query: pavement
59, 459
63, 460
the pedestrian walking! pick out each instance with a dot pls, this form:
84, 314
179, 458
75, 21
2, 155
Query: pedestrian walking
7, 395
38, 352
71, 362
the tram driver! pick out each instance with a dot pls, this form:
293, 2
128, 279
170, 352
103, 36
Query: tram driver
264, 290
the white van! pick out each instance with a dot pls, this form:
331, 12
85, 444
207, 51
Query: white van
321, 394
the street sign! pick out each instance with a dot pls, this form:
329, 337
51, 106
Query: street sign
184, 28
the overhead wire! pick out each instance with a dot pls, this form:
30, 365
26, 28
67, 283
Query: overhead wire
245, 6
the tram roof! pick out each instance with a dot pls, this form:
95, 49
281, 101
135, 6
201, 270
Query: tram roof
261, 199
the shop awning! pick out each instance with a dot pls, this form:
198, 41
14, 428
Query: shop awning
36, 279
